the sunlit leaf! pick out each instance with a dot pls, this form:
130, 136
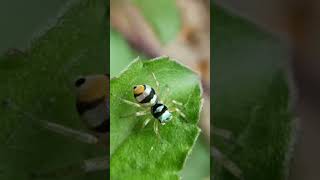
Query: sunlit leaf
137, 153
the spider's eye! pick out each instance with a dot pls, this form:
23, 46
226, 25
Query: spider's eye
79, 82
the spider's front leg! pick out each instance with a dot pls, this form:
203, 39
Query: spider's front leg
54, 127
72, 133
131, 103
83, 167
221, 159
136, 114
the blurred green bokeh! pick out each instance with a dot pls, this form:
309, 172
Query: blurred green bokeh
40, 81
251, 98
21, 20
163, 16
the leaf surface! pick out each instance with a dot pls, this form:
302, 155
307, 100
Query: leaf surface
136, 152
251, 96
40, 81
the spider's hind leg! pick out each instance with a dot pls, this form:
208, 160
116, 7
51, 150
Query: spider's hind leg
178, 103
156, 129
136, 114
146, 122
178, 106
183, 115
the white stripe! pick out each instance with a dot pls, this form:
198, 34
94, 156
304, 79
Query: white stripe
153, 100
166, 116
145, 93
159, 109
95, 117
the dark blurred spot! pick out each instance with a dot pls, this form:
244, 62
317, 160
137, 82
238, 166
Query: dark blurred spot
79, 82
5, 102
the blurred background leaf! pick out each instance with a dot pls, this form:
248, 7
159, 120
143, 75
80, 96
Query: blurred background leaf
40, 78
163, 16
120, 52
33, 17
251, 98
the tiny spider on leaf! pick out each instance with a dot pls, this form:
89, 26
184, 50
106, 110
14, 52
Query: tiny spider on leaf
147, 100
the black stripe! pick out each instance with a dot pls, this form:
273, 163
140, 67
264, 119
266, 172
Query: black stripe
104, 127
149, 97
158, 114
82, 107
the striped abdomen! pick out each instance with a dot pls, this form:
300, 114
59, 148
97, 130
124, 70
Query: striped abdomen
145, 95
92, 102
95, 114
161, 112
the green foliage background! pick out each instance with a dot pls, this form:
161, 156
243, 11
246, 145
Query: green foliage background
250, 95
166, 22
40, 81
137, 153
250, 92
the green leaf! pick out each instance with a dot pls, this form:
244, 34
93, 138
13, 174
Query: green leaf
198, 164
121, 53
137, 153
251, 96
40, 81
163, 17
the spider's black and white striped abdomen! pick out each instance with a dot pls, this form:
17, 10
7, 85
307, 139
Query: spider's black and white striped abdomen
145, 95
161, 112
